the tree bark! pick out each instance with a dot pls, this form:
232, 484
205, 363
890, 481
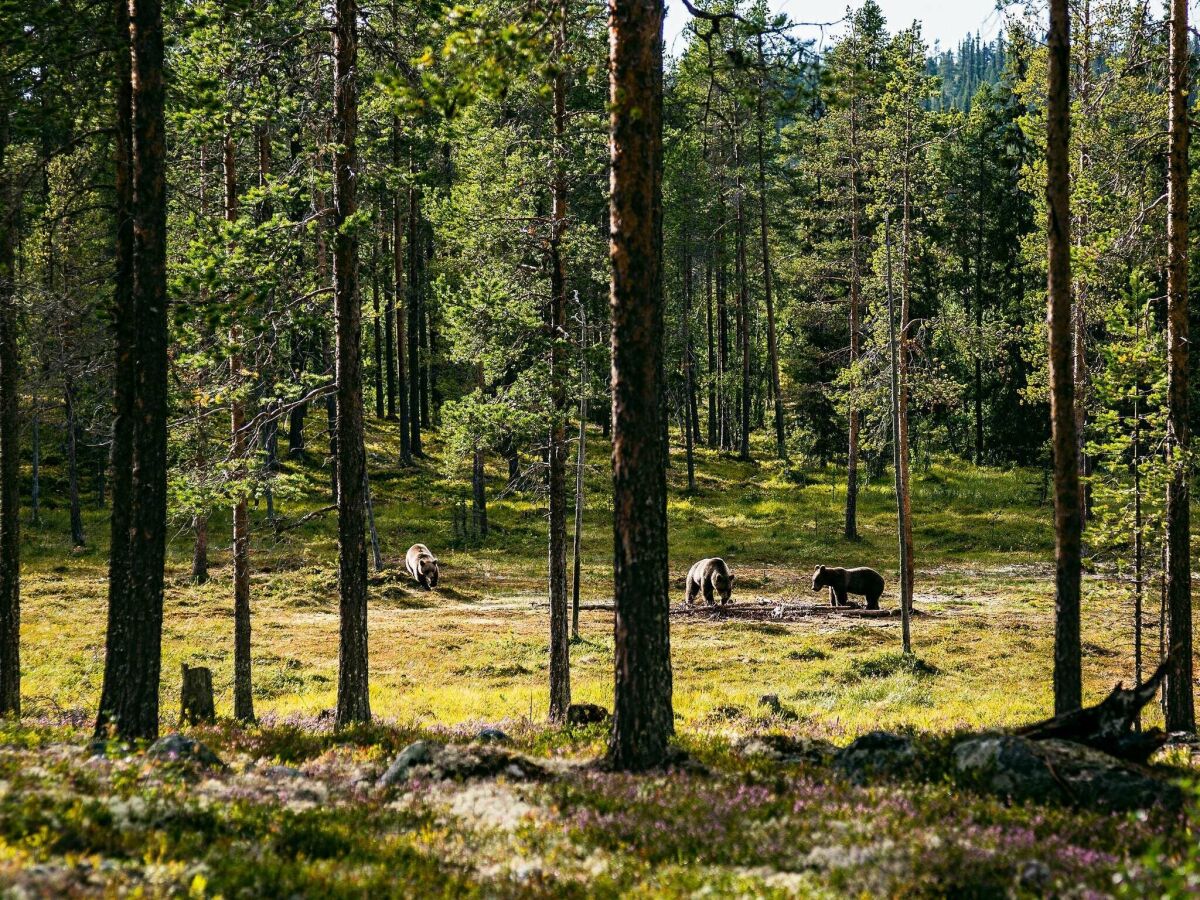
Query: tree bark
243, 690
133, 659
851, 529
1068, 686
1180, 704
560, 639
713, 428
902, 523
196, 696
389, 310
35, 464
689, 378
414, 313
377, 335
643, 717
402, 396
77, 538
743, 306
768, 297
580, 464
353, 700
10, 460
901, 434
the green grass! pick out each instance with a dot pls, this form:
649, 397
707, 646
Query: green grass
476, 651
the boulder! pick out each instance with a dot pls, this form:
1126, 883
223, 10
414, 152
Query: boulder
876, 753
177, 747
430, 759
785, 749
1006, 765
1022, 769
418, 753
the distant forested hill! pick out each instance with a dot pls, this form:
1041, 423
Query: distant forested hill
962, 70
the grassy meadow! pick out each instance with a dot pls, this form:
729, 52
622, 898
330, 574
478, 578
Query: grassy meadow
476, 648
297, 813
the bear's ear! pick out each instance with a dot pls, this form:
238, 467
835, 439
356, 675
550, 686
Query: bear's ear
821, 568
731, 577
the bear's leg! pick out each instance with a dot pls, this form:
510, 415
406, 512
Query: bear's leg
842, 599
708, 591
873, 601
690, 597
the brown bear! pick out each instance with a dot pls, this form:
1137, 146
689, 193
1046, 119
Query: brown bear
422, 565
841, 582
709, 576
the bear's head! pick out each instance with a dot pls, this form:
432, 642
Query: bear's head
819, 578
429, 568
723, 586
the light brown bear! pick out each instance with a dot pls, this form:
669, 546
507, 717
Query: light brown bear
422, 566
863, 581
709, 576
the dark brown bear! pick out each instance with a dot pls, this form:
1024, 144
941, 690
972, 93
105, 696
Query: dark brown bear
866, 582
707, 577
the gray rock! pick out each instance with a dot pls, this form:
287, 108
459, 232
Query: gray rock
418, 753
786, 749
1095, 779
1021, 769
177, 747
876, 753
1006, 765
450, 761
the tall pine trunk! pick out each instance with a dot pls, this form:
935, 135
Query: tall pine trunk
580, 464
1180, 704
1068, 520
133, 658
389, 306
10, 450
560, 639
77, 537
901, 435
243, 692
689, 377
414, 314
353, 699
402, 376
377, 334
903, 524
851, 529
713, 429
768, 295
643, 717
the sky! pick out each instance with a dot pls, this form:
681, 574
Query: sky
947, 21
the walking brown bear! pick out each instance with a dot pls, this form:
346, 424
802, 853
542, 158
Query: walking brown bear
866, 582
707, 577
422, 566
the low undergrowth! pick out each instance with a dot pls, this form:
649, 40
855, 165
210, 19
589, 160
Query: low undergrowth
298, 813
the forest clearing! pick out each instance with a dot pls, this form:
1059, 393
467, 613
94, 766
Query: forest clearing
474, 650
471, 656
706, 448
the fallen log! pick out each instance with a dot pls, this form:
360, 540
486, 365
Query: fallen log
1108, 726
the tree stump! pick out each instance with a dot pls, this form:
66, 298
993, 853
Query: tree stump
196, 696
